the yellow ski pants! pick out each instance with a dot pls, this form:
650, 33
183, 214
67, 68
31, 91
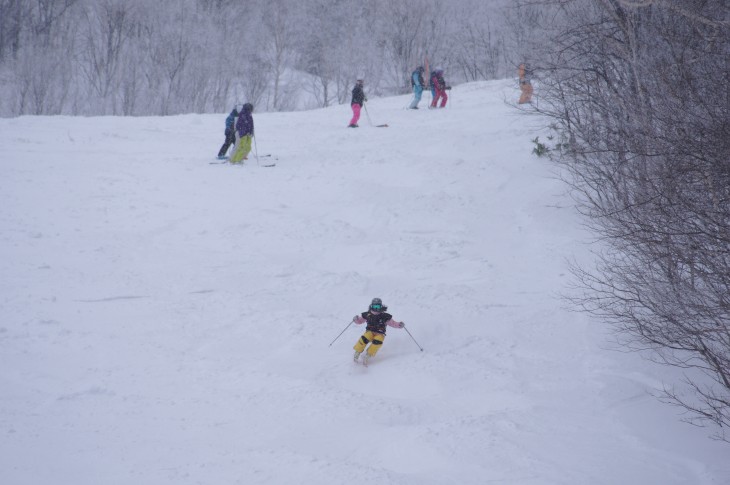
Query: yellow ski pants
242, 149
374, 339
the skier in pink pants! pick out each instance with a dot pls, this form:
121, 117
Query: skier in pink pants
358, 99
439, 88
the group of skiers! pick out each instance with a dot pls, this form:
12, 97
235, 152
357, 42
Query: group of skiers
239, 125
239, 133
239, 130
436, 83
376, 317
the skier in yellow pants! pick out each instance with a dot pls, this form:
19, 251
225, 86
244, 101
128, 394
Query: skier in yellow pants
244, 134
377, 321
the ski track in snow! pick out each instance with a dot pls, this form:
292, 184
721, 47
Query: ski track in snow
165, 320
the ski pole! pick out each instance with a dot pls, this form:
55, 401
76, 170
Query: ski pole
367, 114
414, 340
256, 150
340, 335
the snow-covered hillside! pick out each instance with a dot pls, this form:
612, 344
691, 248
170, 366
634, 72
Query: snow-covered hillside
168, 321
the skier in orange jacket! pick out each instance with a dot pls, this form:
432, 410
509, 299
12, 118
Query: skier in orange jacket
525, 84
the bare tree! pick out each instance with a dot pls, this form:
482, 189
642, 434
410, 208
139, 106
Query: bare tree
108, 27
410, 33
44, 81
639, 94
173, 56
280, 21
482, 46
320, 55
12, 13
44, 16
130, 85
169, 46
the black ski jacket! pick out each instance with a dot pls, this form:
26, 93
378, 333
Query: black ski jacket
377, 322
358, 95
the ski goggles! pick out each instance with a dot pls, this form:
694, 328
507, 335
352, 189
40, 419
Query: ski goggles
376, 307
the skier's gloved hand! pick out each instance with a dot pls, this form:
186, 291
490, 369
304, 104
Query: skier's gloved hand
402, 325
354, 319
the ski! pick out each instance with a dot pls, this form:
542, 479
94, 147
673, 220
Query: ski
268, 165
385, 125
270, 156
249, 160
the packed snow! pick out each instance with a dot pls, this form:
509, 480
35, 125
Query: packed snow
165, 320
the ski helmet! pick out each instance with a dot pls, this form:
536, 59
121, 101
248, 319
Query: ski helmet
376, 304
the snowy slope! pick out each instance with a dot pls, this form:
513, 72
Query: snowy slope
167, 321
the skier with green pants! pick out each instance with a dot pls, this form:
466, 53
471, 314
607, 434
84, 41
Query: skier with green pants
244, 134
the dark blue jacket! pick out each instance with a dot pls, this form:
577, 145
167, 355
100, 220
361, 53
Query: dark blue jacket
244, 125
